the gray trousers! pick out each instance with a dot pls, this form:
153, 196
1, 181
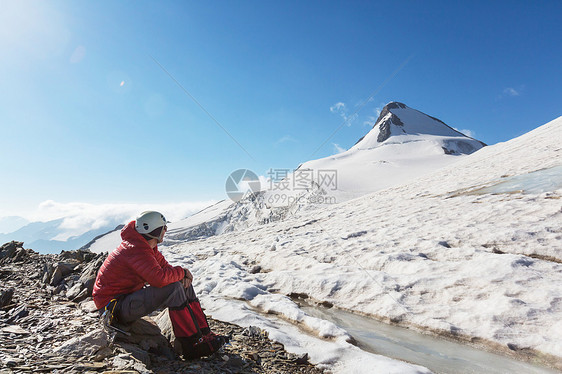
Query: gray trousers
138, 304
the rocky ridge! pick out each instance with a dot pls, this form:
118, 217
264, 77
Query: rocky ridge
48, 323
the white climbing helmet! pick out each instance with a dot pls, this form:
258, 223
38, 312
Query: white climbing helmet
147, 222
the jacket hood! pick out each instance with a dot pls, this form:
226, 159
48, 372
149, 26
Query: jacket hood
130, 234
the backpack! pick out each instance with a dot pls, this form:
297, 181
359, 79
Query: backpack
191, 328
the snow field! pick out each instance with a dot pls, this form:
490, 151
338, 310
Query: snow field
429, 254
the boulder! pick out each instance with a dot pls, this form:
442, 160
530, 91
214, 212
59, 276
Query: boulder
85, 345
88, 276
146, 334
165, 324
83, 295
9, 249
61, 270
74, 291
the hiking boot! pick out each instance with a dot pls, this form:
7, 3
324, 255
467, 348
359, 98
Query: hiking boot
205, 346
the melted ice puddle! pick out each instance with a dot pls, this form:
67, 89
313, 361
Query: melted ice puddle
438, 355
540, 181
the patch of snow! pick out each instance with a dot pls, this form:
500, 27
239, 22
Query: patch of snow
106, 243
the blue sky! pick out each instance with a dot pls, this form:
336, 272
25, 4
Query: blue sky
87, 114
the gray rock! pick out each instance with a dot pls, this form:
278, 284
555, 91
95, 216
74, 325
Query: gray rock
8, 250
46, 321
252, 331
86, 345
88, 276
165, 325
146, 333
66, 268
103, 353
79, 255
20, 255
137, 352
10, 361
123, 362
255, 269
17, 313
236, 362
59, 289
6, 296
47, 272
74, 291
56, 277
82, 295
88, 306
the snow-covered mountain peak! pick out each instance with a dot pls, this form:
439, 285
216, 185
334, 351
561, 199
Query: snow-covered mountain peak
398, 123
416, 145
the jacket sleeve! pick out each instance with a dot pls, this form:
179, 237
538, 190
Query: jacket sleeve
146, 264
161, 260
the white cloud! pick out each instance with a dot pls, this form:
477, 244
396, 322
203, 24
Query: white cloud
379, 109
341, 110
511, 91
79, 218
338, 149
467, 132
285, 139
370, 121
337, 108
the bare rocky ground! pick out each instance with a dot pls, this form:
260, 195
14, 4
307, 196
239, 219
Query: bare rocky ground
48, 323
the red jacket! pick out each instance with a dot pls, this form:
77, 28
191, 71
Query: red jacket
130, 266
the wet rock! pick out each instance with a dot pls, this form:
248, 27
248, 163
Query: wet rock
256, 269
302, 359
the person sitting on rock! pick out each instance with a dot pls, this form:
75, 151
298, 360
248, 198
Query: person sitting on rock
136, 280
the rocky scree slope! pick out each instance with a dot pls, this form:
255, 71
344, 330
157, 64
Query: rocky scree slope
48, 323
